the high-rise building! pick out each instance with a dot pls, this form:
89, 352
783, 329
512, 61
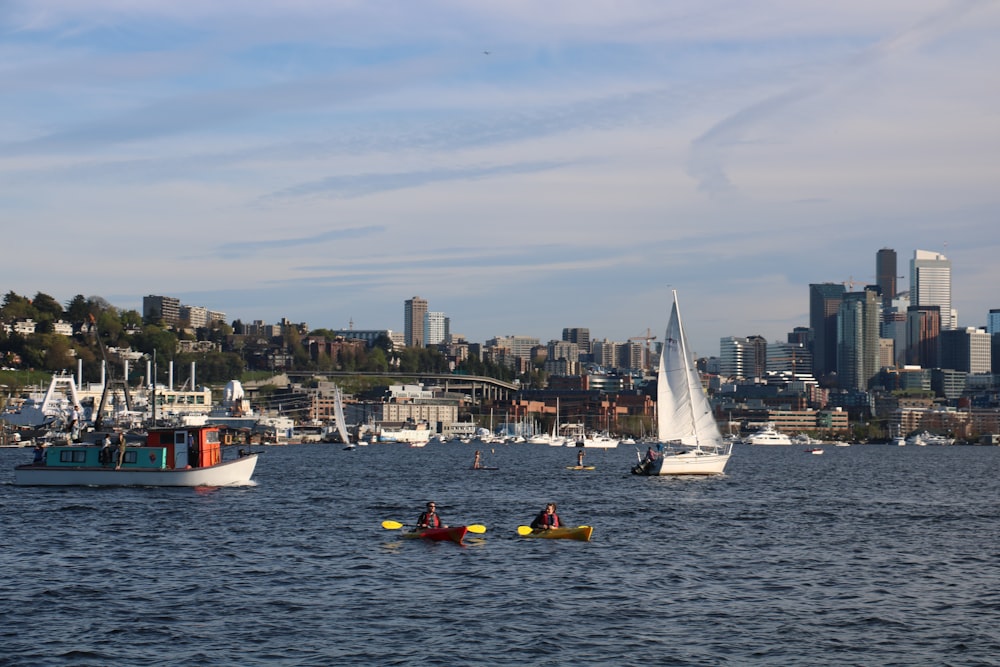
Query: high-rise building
923, 332
165, 309
414, 312
789, 357
966, 350
885, 275
858, 339
578, 335
824, 305
930, 284
993, 321
435, 328
738, 357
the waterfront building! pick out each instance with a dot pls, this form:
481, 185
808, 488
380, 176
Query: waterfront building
930, 284
824, 305
414, 312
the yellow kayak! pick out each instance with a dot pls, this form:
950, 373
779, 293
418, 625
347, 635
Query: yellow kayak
581, 533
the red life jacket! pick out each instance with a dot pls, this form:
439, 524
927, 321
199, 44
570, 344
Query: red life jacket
430, 520
550, 520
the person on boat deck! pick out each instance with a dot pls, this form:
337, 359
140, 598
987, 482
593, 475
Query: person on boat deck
477, 462
547, 518
579, 458
104, 457
121, 450
74, 417
39, 454
430, 518
651, 454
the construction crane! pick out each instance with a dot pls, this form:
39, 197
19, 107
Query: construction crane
645, 350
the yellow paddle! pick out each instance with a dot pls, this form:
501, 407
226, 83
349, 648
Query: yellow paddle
395, 525
524, 530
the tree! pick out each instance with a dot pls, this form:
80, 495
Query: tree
47, 307
17, 307
77, 310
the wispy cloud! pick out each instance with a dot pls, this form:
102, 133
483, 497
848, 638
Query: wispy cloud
245, 249
359, 185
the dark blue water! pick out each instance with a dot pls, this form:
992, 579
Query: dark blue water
870, 555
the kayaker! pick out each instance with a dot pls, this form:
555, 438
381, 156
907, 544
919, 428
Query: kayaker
547, 518
430, 518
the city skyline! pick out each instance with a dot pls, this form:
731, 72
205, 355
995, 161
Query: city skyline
324, 162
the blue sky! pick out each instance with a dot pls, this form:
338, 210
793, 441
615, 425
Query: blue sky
324, 161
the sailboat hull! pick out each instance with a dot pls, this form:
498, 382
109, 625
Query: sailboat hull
685, 463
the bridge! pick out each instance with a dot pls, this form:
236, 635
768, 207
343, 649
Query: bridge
478, 387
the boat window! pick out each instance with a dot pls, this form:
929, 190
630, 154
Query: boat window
211, 436
130, 457
72, 456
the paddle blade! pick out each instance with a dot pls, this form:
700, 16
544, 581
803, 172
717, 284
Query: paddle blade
476, 528
392, 525
524, 530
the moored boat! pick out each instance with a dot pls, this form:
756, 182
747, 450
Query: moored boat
190, 456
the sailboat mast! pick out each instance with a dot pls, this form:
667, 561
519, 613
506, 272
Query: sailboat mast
687, 370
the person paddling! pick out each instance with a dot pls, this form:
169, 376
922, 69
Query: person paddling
547, 519
579, 458
430, 518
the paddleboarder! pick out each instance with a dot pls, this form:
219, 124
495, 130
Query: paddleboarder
579, 458
477, 462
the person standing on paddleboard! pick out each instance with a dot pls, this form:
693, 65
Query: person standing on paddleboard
547, 518
579, 458
430, 518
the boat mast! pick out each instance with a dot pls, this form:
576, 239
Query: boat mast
687, 372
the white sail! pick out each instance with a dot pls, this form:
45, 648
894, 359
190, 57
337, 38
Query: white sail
690, 440
338, 411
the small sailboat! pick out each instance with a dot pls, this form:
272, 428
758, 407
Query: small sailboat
688, 435
338, 411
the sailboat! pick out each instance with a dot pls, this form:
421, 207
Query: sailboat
338, 411
689, 438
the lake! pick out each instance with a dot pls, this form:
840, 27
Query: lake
866, 555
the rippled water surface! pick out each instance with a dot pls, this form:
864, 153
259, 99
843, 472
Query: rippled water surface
867, 555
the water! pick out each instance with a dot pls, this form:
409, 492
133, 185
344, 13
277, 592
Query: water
868, 555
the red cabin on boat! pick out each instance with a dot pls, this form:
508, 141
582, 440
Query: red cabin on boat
189, 446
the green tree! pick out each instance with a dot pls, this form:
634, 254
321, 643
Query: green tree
17, 307
77, 310
48, 308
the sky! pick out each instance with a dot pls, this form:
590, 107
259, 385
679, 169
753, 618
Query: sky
523, 166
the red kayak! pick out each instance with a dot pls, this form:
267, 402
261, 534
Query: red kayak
454, 533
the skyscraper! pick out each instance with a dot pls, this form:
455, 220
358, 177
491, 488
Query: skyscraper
885, 275
435, 328
930, 284
858, 339
578, 335
414, 312
923, 333
993, 322
966, 350
824, 304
